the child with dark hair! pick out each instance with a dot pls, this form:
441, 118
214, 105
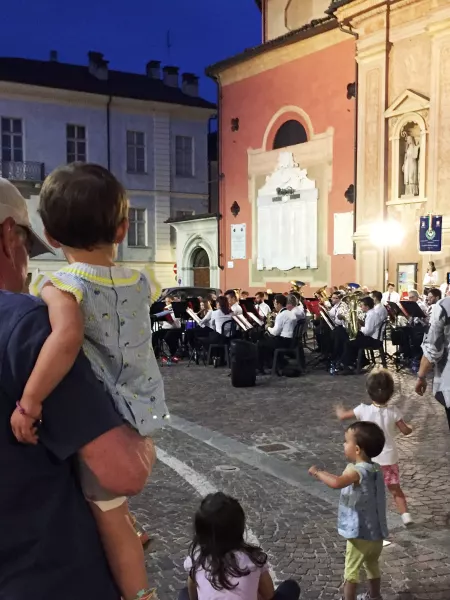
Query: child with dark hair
104, 308
380, 388
221, 564
362, 507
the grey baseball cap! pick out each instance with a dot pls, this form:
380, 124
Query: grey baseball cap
13, 204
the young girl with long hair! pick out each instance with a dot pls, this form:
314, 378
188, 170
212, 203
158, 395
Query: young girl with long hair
221, 564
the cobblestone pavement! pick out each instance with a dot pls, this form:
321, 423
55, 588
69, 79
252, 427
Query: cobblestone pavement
292, 516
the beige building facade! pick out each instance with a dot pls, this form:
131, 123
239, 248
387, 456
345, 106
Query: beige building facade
403, 125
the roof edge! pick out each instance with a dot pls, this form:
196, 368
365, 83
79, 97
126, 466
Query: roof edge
309, 30
193, 218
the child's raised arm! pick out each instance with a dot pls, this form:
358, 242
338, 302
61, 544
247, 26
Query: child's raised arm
344, 415
55, 360
337, 482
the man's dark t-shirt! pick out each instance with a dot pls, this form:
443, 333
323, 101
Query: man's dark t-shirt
49, 546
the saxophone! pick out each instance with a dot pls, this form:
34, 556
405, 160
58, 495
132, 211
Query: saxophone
352, 299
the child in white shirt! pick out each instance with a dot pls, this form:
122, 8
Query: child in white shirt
380, 388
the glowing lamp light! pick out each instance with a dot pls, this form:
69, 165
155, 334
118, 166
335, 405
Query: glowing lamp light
387, 234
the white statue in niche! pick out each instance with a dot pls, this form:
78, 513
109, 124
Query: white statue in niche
287, 174
410, 166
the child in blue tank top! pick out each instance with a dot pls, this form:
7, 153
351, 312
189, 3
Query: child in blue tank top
362, 507
103, 308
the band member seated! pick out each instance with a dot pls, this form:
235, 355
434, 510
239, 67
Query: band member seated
377, 298
409, 338
170, 330
262, 307
295, 307
193, 336
280, 335
222, 314
233, 302
367, 337
391, 295
244, 295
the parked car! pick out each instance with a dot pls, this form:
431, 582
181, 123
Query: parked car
188, 292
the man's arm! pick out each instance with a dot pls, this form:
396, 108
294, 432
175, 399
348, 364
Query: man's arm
78, 416
278, 326
433, 348
369, 328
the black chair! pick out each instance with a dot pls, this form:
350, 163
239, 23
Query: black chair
295, 349
229, 329
379, 347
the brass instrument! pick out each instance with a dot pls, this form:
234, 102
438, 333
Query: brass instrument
321, 294
352, 322
326, 317
296, 286
322, 297
270, 319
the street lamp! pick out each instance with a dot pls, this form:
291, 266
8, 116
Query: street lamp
385, 235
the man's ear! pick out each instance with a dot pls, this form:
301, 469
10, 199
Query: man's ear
53, 243
122, 231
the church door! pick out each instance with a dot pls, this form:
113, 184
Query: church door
200, 265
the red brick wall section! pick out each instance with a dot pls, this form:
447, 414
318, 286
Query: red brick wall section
318, 85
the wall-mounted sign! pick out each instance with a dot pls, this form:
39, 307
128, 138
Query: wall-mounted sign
430, 233
238, 241
343, 233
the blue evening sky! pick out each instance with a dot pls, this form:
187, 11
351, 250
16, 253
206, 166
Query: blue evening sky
132, 32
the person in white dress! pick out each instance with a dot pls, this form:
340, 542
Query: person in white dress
431, 278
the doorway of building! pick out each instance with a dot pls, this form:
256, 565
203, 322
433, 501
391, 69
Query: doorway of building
200, 266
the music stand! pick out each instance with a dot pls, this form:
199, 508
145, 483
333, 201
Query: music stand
195, 303
179, 309
412, 309
157, 307
394, 310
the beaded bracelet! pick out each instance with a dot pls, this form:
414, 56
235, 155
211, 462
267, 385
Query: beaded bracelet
146, 594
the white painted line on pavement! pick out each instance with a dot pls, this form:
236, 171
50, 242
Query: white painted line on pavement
203, 487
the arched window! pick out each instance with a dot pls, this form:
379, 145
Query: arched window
290, 133
200, 259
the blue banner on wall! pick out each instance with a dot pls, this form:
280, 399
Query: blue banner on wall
430, 233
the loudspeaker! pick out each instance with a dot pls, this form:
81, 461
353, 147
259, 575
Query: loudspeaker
243, 358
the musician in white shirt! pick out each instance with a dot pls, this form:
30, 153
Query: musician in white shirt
234, 303
368, 336
391, 295
281, 333
377, 298
262, 307
339, 310
295, 307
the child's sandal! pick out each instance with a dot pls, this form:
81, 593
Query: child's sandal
141, 533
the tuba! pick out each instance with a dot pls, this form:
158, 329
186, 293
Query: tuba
352, 299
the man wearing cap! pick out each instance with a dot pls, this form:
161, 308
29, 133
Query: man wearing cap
49, 545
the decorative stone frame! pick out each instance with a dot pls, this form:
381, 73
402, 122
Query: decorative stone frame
410, 107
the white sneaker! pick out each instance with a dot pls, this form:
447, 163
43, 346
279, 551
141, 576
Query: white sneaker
367, 596
407, 519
